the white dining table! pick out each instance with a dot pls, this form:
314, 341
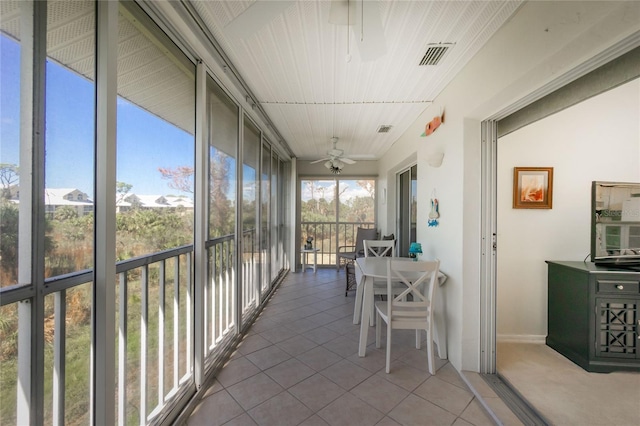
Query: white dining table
369, 268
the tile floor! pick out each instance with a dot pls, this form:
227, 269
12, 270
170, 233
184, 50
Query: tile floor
298, 365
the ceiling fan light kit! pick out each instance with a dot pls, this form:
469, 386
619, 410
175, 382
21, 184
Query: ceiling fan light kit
334, 166
335, 159
335, 170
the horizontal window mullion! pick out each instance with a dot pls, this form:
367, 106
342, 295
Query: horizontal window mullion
141, 261
14, 294
67, 281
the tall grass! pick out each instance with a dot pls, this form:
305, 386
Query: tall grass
71, 250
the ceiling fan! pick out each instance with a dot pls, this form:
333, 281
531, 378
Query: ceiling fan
335, 159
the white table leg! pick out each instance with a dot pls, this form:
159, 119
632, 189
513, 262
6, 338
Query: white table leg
439, 326
357, 309
366, 314
304, 262
315, 260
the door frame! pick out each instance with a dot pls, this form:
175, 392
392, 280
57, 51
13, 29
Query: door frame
398, 206
615, 70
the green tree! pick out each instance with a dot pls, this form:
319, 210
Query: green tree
9, 243
9, 240
369, 186
65, 213
180, 178
361, 210
221, 208
122, 189
154, 229
9, 175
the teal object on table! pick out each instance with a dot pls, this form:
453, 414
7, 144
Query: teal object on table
414, 250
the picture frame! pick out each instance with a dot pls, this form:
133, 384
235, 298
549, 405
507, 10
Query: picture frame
532, 187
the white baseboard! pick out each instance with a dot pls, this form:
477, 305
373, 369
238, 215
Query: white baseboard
521, 338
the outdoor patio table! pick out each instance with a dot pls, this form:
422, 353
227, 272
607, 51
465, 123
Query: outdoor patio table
305, 252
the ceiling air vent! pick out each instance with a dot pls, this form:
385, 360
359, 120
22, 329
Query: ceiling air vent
435, 53
384, 128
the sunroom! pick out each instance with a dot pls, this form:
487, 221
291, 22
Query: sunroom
97, 99
197, 195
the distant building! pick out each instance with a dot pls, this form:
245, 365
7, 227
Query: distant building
56, 198
132, 201
180, 201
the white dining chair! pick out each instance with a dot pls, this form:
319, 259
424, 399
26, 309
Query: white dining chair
413, 313
381, 248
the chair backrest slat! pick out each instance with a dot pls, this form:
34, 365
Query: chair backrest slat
421, 280
364, 234
379, 248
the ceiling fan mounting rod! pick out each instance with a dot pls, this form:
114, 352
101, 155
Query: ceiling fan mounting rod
348, 32
362, 21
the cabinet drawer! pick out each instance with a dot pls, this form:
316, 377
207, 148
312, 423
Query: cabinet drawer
618, 287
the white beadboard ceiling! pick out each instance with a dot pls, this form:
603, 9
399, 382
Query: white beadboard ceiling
295, 62
149, 76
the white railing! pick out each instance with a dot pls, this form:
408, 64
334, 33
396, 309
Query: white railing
161, 275
220, 295
250, 274
329, 236
155, 350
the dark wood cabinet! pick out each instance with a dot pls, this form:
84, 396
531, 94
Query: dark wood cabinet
594, 315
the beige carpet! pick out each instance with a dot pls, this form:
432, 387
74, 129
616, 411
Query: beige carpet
564, 393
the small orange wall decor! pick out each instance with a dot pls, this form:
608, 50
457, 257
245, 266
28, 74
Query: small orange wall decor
433, 125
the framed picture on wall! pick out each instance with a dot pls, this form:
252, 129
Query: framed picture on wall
532, 187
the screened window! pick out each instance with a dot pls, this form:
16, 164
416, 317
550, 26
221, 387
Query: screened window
331, 212
69, 140
155, 153
265, 214
155, 163
11, 15
250, 216
223, 140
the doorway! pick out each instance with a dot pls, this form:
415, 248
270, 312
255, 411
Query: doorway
572, 145
407, 205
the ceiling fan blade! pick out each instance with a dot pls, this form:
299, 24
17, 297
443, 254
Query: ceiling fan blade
373, 44
347, 160
255, 17
317, 161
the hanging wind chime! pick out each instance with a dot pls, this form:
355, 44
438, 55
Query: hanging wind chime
434, 213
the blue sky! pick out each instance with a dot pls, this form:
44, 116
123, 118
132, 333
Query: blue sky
144, 142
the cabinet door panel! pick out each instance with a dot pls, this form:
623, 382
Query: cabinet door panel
616, 328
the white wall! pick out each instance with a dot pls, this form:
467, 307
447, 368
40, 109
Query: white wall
360, 168
540, 43
598, 139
